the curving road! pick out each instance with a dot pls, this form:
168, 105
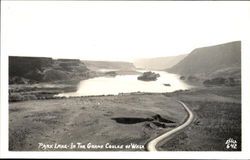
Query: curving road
151, 145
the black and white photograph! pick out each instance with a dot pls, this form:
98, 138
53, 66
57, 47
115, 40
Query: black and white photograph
83, 76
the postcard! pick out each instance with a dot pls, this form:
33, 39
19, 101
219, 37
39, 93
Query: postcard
125, 79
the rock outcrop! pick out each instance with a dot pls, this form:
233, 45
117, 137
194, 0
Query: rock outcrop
148, 76
23, 70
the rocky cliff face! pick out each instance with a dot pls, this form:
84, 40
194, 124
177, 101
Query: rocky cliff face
39, 69
28, 67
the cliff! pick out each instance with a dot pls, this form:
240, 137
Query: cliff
40, 69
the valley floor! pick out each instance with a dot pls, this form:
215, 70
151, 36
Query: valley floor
125, 119
117, 120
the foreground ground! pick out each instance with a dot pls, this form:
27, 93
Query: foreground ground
117, 120
217, 119
126, 119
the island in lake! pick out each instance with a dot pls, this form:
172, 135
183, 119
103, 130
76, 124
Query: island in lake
148, 76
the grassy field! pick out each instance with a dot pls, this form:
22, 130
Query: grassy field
25, 92
117, 120
125, 119
217, 118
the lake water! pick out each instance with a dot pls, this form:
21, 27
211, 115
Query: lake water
127, 84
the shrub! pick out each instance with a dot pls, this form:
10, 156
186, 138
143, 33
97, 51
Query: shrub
220, 81
230, 82
182, 78
30, 97
15, 97
193, 78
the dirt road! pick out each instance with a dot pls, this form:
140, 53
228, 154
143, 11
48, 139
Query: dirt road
151, 146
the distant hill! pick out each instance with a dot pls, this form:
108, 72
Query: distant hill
108, 65
158, 63
219, 60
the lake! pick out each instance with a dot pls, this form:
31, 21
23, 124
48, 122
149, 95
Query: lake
127, 84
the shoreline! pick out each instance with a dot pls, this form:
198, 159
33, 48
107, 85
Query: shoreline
197, 88
107, 95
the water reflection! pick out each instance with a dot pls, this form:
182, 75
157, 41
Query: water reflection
127, 84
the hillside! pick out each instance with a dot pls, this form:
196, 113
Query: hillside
220, 60
158, 63
24, 70
108, 65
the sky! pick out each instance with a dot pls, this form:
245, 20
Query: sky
117, 31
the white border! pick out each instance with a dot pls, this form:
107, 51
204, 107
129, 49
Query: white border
244, 154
